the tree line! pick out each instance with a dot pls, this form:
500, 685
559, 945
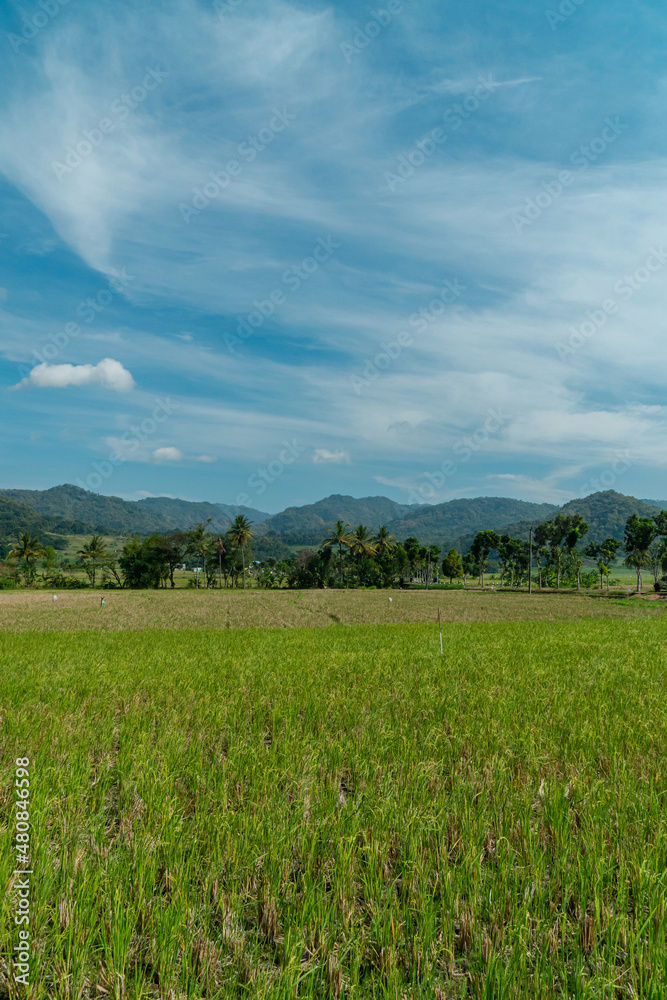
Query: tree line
356, 557
144, 563
556, 555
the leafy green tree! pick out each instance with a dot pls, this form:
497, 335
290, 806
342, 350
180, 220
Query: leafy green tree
593, 551
541, 556
412, 547
452, 566
28, 550
504, 556
655, 556
576, 529
661, 522
240, 535
609, 550
482, 546
95, 551
558, 530
339, 535
142, 563
173, 548
542, 549
200, 540
49, 563
510, 551
400, 560
310, 569
432, 554
639, 533
469, 566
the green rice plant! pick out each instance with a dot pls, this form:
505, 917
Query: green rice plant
341, 812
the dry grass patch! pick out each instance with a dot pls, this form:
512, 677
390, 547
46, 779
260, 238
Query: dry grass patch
179, 609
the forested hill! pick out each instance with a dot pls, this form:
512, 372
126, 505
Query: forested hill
605, 514
16, 518
112, 514
308, 524
446, 521
70, 510
439, 523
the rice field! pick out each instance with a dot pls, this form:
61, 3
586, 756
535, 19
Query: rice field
215, 609
340, 812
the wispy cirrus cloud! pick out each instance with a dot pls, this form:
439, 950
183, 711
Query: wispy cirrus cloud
495, 347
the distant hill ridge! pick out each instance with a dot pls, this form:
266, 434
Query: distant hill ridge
68, 509
141, 516
605, 514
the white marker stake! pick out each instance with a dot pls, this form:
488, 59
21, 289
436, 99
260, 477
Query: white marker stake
440, 629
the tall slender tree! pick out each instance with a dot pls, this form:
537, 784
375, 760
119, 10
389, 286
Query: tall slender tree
609, 549
240, 535
639, 533
28, 550
361, 543
482, 546
384, 542
95, 550
338, 535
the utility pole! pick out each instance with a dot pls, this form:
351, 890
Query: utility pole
530, 562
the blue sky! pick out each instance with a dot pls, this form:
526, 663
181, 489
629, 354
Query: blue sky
414, 249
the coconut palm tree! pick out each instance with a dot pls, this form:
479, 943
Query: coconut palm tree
338, 535
221, 551
361, 543
384, 542
28, 550
240, 535
94, 550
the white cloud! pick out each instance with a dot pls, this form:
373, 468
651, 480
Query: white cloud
108, 373
324, 457
203, 458
167, 455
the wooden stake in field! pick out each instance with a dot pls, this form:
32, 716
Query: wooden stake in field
440, 630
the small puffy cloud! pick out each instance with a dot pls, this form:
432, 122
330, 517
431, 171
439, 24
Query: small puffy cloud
203, 458
108, 373
167, 455
324, 457
185, 336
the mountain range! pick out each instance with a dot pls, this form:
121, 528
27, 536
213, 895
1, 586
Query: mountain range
68, 509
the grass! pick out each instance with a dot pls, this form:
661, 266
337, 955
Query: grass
342, 812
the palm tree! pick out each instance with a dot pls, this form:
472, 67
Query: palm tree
240, 535
384, 542
94, 550
361, 543
28, 549
221, 551
338, 535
